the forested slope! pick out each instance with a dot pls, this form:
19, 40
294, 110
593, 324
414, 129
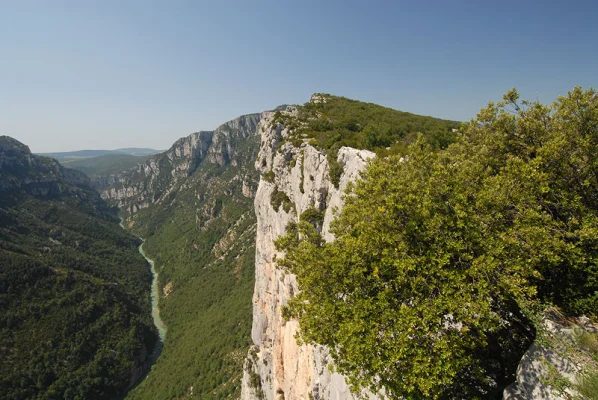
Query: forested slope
74, 291
194, 206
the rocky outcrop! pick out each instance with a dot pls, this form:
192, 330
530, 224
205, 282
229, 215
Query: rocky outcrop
36, 175
552, 367
158, 178
277, 367
532, 375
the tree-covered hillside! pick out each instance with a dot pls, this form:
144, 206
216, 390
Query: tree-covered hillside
200, 230
74, 291
441, 258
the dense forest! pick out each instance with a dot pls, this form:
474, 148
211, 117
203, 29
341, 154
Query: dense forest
74, 291
446, 254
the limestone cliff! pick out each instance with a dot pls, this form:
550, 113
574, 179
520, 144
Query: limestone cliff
276, 366
554, 366
36, 175
298, 173
157, 178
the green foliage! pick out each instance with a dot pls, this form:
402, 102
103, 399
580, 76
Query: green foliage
438, 256
335, 168
588, 386
337, 121
588, 379
76, 317
589, 342
313, 216
279, 198
203, 242
256, 384
268, 176
277, 119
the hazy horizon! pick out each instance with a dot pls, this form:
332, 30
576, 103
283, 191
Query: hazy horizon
108, 75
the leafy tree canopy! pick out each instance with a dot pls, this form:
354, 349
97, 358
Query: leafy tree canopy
439, 257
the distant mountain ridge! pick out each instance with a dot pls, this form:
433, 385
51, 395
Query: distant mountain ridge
134, 151
160, 175
105, 165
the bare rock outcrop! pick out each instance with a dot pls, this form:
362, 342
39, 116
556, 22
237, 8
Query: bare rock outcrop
158, 178
552, 368
277, 367
36, 175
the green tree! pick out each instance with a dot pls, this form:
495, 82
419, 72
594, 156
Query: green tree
438, 257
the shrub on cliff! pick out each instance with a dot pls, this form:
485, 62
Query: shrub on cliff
438, 259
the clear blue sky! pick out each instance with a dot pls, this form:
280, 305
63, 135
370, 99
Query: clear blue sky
109, 74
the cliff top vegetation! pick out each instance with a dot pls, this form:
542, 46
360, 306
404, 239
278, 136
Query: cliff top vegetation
442, 258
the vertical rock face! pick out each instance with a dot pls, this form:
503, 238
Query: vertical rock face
276, 366
157, 178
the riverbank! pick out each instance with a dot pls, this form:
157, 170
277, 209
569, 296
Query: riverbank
160, 325
155, 296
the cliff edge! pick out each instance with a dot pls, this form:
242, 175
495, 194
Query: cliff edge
293, 180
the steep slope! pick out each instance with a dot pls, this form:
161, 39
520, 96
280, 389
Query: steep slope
558, 142
155, 180
75, 319
193, 204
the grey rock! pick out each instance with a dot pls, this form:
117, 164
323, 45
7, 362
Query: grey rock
283, 366
557, 357
159, 176
36, 175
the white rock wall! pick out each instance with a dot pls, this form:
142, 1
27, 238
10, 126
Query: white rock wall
285, 369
